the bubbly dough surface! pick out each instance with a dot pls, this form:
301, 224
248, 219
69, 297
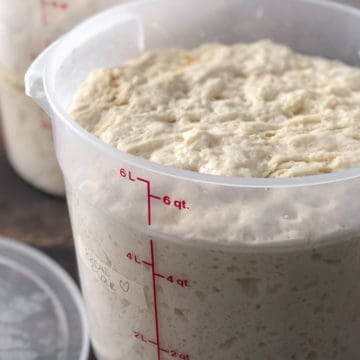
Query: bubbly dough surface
249, 110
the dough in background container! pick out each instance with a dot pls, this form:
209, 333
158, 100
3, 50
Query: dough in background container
26, 29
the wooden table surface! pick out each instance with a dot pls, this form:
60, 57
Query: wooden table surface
35, 218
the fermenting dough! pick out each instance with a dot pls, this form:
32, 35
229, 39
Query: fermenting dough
250, 110
272, 272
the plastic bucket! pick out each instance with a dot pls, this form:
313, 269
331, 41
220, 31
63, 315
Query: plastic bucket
176, 264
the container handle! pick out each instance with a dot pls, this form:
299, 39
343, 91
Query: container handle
34, 78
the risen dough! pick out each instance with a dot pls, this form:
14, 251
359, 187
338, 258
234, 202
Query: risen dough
250, 110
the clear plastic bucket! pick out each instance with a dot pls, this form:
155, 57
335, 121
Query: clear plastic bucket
180, 265
26, 28
29, 141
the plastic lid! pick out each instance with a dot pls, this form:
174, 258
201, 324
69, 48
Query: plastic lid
41, 312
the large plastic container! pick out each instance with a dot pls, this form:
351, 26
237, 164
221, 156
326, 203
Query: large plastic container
180, 265
26, 28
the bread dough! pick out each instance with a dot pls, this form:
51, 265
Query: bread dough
249, 110
271, 271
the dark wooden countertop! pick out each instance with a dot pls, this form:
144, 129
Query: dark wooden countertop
37, 219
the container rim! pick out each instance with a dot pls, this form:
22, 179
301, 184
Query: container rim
228, 181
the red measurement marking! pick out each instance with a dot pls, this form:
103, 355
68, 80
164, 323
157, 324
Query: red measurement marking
180, 205
172, 353
149, 196
154, 196
166, 200
159, 275
140, 336
155, 299
53, 4
184, 283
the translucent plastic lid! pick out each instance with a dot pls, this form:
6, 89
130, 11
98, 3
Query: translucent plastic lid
41, 311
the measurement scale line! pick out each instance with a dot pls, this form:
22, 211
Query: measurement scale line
147, 182
155, 197
155, 300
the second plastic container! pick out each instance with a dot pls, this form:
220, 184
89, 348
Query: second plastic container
179, 265
26, 28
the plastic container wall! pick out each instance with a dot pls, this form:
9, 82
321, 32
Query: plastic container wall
26, 28
181, 265
28, 140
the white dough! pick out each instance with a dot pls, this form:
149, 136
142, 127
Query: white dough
272, 272
249, 110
